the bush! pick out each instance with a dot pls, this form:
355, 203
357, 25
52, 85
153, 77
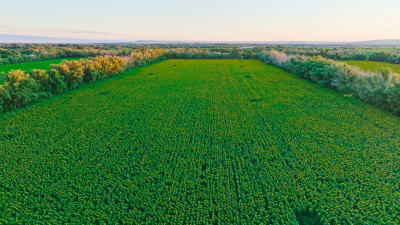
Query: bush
56, 82
42, 79
71, 71
143, 57
393, 98
18, 90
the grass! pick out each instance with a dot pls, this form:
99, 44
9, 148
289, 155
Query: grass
30, 65
374, 66
200, 142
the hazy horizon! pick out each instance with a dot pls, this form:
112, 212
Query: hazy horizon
11, 38
206, 21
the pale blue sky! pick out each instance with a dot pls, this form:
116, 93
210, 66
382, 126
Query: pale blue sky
204, 20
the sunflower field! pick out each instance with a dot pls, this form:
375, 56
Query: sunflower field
200, 142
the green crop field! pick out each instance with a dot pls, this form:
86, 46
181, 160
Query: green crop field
374, 66
200, 142
30, 65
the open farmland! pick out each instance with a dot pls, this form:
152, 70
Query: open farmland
26, 66
374, 66
200, 142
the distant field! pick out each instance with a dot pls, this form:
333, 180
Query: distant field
30, 65
374, 66
200, 142
373, 50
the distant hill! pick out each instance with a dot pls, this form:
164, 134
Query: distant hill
395, 42
12, 38
381, 42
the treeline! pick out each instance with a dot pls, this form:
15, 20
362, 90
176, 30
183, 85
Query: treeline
381, 89
364, 54
218, 53
17, 53
20, 88
144, 57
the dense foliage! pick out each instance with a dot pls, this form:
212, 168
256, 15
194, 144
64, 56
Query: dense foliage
389, 55
200, 142
198, 53
144, 57
17, 53
379, 88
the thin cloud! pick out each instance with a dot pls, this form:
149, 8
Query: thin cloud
59, 32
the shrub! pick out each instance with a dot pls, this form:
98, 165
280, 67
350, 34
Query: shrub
18, 90
42, 79
56, 82
71, 71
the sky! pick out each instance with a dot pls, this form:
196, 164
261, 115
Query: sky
204, 20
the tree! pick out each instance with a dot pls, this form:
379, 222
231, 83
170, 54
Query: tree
18, 89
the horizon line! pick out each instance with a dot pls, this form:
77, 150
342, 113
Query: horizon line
94, 40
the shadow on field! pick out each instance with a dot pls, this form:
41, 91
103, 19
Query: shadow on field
104, 93
256, 100
307, 219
